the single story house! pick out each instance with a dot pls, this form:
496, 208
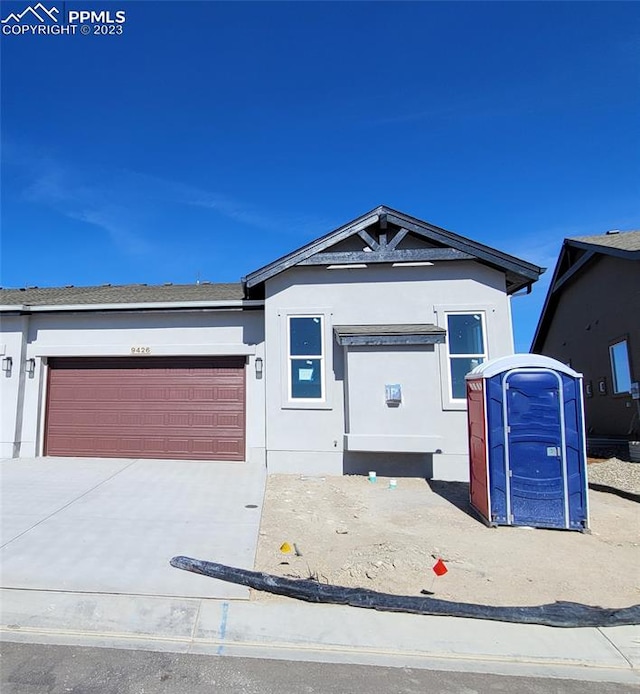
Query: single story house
346, 355
591, 321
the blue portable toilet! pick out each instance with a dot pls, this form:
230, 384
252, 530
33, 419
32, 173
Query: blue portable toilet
527, 443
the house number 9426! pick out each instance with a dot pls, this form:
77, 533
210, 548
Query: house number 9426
141, 350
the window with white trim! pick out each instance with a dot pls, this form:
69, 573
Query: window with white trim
466, 348
306, 358
620, 369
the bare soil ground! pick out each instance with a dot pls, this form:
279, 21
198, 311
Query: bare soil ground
352, 532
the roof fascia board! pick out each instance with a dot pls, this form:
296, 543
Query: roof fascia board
317, 246
164, 305
576, 267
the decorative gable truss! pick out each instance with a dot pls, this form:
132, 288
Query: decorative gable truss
385, 243
387, 236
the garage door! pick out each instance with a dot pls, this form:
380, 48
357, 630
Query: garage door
147, 407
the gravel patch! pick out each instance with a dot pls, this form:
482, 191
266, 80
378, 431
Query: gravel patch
616, 473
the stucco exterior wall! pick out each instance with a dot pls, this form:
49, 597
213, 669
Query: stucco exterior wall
175, 333
322, 437
13, 345
597, 308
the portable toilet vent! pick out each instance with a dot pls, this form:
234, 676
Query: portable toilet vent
527, 444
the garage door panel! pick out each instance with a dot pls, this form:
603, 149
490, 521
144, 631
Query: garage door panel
149, 396
147, 407
198, 426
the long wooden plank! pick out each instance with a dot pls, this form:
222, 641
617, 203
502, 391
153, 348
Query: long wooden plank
404, 256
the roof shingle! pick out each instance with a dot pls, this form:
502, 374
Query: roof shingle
121, 294
623, 240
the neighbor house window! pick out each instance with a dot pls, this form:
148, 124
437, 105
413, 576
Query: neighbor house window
620, 370
466, 347
306, 358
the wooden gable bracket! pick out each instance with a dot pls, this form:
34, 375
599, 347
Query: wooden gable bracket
397, 238
383, 243
369, 240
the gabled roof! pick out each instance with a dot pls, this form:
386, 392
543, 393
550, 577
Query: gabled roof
129, 294
576, 256
445, 245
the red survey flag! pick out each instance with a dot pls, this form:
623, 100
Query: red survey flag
440, 568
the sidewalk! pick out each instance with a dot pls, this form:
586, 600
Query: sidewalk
292, 630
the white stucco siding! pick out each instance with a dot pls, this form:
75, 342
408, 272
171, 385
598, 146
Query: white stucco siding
12, 346
373, 424
166, 333
188, 333
296, 435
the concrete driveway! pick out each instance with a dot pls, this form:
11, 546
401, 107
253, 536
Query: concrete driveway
112, 525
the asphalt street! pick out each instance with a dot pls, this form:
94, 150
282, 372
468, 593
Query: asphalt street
45, 669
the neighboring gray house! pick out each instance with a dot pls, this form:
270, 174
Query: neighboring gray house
346, 355
591, 321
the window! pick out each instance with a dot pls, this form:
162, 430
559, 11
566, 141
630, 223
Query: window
306, 360
466, 347
619, 355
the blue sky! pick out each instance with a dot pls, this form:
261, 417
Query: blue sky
210, 138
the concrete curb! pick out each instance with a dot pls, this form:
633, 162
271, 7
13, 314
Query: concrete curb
291, 630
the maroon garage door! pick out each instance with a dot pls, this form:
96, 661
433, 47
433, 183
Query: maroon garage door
191, 408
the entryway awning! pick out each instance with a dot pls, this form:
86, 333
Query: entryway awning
389, 334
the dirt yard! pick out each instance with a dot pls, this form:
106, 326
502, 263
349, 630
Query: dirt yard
352, 532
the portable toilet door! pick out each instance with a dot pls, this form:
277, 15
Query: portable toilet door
535, 448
